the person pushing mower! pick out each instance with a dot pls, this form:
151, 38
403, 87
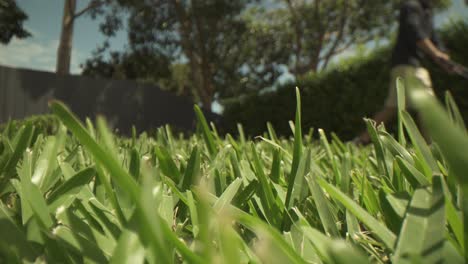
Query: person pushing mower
416, 39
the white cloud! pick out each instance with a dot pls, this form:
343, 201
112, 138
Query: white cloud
25, 53
30, 54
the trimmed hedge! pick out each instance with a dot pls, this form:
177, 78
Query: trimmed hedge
338, 99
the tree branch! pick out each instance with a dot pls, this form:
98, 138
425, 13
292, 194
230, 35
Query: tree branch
186, 24
339, 50
339, 36
298, 32
313, 65
91, 5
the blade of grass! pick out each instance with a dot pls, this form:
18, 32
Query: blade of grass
379, 150
85, 232
272, 133
452, 142
276, 166
227, 195
325, 214
134, 166
379, 229
276, 145
231, 244
401, 107
297, 156
207, 135
168, 166
394, 208
125, 180
35, 199
245, 194
300, 189
454, 217
453, 111
256, 225
128, 249
105, 218
71, 187
24, 173
240, 129
390, 144
80, 244
423, 230
412, 175
420, 145
342, 253
101, 156
24, 139
192, 171
331, 157
266, 194
14, 237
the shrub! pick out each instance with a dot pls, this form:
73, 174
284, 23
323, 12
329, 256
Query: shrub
338, 99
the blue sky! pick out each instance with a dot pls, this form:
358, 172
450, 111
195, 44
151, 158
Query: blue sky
39, 51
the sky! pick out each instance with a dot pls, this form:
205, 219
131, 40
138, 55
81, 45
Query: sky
39, 51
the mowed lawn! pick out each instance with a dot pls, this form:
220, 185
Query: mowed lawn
86, 195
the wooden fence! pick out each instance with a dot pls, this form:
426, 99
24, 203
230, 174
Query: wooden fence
124, 103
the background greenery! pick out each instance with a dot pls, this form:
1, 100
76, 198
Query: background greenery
230, 51
220, 49
337, 100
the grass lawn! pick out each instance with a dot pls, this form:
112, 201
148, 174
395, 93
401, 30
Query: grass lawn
84, 194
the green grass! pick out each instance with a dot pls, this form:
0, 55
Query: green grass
83, 194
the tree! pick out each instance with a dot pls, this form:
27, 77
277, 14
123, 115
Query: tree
141, 65
94, 8
319, 30
204, 35
233, 47
11, 21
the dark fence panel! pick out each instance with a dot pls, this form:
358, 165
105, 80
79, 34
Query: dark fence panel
124, 103
20, 96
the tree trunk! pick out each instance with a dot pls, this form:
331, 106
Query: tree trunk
66, 37
297, 38
194, 59
204, 64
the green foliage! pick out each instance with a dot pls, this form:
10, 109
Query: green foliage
44, 124
338, 99
204, 36
86, 195
11, 21
335, 100
223, 48
143, 66
308, 34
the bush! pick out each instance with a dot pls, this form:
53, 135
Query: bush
338, 99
